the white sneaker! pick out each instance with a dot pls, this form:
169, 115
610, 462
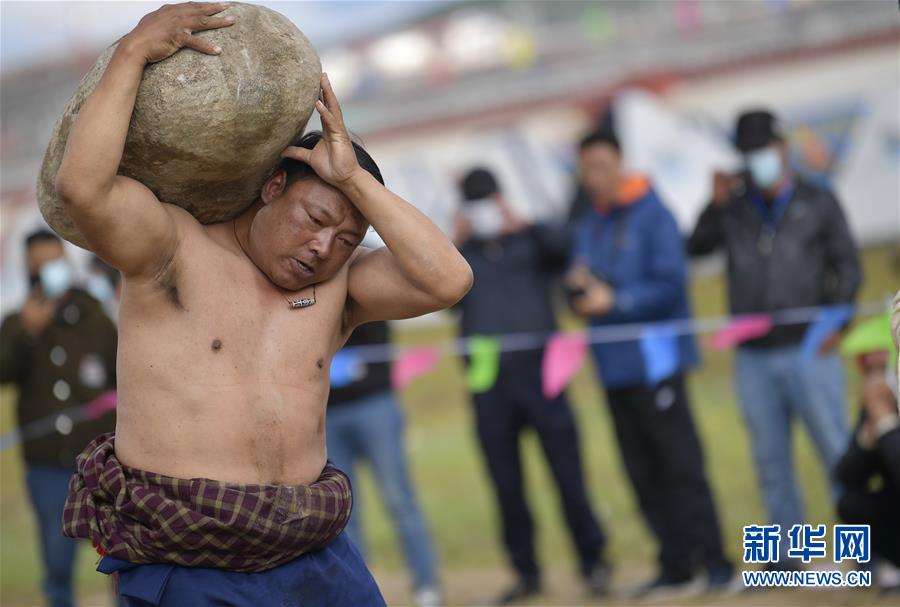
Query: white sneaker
733, 586
888, 575
428, 596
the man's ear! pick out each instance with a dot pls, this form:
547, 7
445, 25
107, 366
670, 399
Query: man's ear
274, 186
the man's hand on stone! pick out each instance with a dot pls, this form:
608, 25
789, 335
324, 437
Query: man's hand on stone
163, 32
333, 158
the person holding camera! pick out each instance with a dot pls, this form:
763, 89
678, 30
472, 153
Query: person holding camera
628, 268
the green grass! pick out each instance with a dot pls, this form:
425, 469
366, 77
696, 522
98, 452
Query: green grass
452, 482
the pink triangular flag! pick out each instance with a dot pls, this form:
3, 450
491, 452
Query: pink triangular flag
563, 357
741, 329
101, 405
687, 15
411, 364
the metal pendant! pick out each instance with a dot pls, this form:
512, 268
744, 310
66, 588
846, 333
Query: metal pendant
302, 303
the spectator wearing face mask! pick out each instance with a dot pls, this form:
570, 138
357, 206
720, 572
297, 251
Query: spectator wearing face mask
514, 263
58, 350
788, 246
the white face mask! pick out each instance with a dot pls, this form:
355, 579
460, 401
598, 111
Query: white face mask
56, 278
764, 166
485, 217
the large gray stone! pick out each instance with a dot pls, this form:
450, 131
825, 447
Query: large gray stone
207, 130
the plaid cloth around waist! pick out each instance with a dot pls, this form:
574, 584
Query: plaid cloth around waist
144, 517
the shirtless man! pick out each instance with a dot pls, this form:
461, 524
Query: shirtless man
219, 377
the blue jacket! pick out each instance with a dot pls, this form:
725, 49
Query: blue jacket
638, 251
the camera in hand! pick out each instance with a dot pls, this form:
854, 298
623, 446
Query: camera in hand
573, 293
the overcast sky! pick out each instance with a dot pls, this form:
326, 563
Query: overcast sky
33, 32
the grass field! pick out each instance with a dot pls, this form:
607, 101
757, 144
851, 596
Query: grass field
455, 494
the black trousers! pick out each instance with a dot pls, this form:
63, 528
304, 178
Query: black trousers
513, 404
663, 458
881, 511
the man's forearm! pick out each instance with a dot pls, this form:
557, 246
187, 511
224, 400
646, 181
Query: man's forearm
425, 256
97, 139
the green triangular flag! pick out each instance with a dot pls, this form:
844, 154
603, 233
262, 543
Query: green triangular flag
598, 23
484, 363
872, 335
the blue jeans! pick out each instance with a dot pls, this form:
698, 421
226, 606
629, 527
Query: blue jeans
48, 487
776, 385
371, 429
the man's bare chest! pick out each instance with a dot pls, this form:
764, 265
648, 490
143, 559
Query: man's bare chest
229, 317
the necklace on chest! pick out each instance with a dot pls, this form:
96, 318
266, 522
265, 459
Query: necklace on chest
293, 304
304, 302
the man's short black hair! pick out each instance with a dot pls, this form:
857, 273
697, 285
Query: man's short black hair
479, 183
600, 137
297, 169
41, 235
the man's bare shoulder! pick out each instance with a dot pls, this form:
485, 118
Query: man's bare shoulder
360, 251
192, 234
182, 218
360, 257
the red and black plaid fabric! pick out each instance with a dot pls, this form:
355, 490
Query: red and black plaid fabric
143, 517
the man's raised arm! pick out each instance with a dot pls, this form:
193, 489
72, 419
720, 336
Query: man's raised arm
419, 270
120, 218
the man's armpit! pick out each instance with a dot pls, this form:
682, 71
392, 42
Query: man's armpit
167, 276
166, 279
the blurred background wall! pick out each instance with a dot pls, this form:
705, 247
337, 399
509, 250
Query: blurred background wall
433, 87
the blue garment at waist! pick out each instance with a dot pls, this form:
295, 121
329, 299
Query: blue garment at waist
335, 576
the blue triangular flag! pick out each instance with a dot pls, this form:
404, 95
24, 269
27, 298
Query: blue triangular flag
346, 367
829, 320
659, 345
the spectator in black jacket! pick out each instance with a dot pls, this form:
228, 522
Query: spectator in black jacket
514, 264
788, 246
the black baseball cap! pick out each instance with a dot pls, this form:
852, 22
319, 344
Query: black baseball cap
756, 129
479, 183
